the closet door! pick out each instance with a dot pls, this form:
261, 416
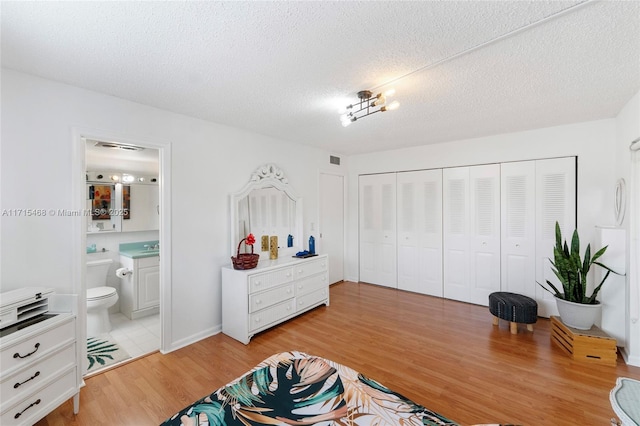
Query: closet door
456, 232
484, 264
518, 236
555, 201
377, 207
420, 231
471, 233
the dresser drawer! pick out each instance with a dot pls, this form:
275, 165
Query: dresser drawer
271, 315
309, 268
41, 402
33, 348
147, 262
258, 301
21, 384
311, 284
267, 280
303, 302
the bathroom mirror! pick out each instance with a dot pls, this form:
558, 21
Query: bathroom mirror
266, 206
121, 207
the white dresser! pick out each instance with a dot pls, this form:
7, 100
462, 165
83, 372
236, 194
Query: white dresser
275, 291
38, 356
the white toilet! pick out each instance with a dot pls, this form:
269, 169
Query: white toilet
99, 297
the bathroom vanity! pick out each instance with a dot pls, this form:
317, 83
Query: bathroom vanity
140, 289
277, 290
39, 367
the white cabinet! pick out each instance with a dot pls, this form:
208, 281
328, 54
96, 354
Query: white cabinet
140, 290
256, 299
38, 361
471, 199
419, 213
378, 229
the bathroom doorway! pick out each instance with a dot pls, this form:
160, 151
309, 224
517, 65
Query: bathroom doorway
124, 195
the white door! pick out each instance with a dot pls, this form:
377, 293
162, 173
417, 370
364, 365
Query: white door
377, 223
331, 226
555, 201
484, 262
471, 232
518, 236
456, 232
419, 214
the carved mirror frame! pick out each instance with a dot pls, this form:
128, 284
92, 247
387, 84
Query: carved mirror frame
266, 176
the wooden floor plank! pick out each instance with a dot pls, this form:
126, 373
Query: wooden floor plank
443, 354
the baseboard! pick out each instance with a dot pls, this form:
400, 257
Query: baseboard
192, 339
633, 360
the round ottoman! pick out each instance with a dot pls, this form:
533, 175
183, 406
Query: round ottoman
514, 308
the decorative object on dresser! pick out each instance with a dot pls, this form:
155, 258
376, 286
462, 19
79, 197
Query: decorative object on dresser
39, 367
273, 247
577, 310
245, 260
277, 290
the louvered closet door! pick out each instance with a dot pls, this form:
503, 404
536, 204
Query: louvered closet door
456, 232
419, 213
555, 201
518, 248
471, 233
377, 208
484, 268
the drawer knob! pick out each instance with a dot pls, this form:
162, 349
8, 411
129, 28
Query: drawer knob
17, 355
300, 271
257, 282
300, 287
288, 307
257, 319
288, 291
258, 302
17, 385
32, 404
288, 274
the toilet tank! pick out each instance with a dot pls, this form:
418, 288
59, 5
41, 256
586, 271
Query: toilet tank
97, 271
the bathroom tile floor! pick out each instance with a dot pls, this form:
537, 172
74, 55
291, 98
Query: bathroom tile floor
137, 337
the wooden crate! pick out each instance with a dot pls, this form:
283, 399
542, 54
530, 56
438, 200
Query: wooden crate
593, 345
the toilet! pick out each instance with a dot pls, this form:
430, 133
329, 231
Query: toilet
99, 297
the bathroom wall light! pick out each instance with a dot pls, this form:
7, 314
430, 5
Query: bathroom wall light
128, 178
115, 178
369, 104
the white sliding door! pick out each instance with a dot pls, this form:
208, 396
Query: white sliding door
377, 211
555, 201
518, 246
419, 215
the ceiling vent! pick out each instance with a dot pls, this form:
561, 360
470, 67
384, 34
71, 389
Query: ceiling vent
113, 145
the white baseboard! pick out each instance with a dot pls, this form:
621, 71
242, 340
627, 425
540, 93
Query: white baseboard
192, 339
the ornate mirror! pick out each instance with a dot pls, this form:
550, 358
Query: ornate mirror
266, 206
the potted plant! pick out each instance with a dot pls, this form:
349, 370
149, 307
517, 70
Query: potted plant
576, 308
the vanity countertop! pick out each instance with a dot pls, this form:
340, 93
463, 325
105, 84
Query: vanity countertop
139, 249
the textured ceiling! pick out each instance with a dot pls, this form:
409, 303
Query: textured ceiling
284, 68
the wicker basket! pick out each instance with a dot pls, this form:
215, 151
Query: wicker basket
245, 260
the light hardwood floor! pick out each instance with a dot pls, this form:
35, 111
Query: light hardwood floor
442, 354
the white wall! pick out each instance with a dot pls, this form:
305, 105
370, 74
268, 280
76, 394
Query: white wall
209, 161
592, 142
627, 130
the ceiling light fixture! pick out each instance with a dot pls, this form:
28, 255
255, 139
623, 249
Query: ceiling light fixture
369, 104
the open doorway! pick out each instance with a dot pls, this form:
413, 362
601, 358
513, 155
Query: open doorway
124, 248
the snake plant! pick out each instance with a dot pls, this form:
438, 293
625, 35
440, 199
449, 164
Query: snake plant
572, 271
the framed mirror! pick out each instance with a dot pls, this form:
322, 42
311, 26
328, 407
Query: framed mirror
266, 206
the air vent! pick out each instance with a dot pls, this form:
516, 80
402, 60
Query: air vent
113, 145
334, 160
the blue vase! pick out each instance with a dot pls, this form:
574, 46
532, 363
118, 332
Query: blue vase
312, 245
290, 241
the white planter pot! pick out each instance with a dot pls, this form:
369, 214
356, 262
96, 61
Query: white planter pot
578, 315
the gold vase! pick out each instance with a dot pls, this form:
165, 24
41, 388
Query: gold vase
273, 247
265, 243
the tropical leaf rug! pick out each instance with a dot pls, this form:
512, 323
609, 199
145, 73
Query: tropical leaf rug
102, 352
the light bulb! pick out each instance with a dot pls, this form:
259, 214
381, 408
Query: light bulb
345, 120
115, 177
380, 101
390, 92
393, 105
